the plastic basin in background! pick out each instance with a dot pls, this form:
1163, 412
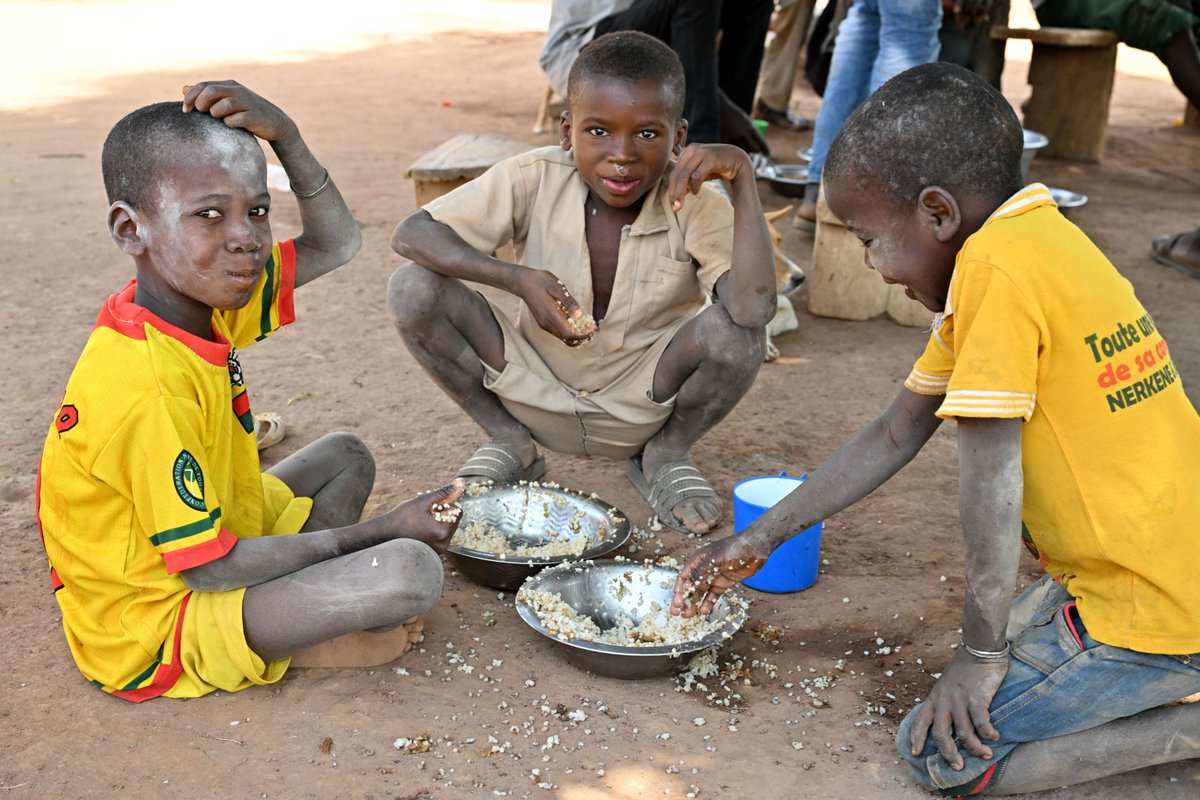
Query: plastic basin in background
793, 566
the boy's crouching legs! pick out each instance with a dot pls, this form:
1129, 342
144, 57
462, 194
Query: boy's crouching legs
355, 610
451, 332
707, 368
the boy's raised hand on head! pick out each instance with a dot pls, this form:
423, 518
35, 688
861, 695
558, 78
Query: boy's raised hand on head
238, 107
704, 162
553, 307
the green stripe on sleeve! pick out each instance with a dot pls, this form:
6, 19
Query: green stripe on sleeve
268, 298
184, 531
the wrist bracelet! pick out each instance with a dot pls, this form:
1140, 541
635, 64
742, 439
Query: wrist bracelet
313, 193
988, 655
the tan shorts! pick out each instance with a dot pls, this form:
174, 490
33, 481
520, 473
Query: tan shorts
614, 422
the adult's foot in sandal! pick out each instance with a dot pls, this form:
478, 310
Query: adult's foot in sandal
1180, 251
699, 513
362, 648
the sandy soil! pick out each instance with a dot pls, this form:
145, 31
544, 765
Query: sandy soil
891, 579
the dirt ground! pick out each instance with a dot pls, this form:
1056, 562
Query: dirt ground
877, 626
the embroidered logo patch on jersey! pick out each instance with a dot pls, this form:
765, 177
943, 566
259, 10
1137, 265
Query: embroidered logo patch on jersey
68, 417
189, 480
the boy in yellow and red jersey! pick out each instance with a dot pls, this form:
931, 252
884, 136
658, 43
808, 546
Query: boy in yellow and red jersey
1075, 435
168, 549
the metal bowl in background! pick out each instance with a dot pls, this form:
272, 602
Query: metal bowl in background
529, 515
788, 180
1066, 199
805, 153
1034, 141
605, 591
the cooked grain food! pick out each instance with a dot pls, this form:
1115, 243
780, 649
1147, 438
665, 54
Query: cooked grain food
486, 539
533, 520
656, 628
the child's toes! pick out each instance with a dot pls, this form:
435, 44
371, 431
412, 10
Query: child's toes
415, 628
687, 513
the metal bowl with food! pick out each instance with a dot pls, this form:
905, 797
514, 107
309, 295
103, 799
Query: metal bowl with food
612, 617
788, 180
511, 531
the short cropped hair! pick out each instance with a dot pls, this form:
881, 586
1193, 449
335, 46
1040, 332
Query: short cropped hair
630, 57
143, 138
934, 124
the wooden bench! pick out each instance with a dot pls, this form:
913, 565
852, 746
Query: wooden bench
454, 162
1071, 74
840, 285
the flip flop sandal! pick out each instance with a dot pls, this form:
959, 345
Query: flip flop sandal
674, 482
269, 429
1161, 249
805, 224
500, 463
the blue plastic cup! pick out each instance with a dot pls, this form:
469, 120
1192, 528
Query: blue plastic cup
793, 565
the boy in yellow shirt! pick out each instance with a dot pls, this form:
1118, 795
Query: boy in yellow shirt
616, 223
168, 549
1075, 436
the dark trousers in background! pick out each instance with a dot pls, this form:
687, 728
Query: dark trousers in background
693, 29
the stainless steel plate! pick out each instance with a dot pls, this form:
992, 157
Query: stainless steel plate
531, 515
1066, 199
788, 180
607, 590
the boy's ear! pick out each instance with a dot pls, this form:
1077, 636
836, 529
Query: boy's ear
680, 137
564, 130
125, 228
938, 212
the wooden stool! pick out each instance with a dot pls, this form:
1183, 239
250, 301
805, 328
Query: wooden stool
840, 285
453, 163
1071, 73
549, 111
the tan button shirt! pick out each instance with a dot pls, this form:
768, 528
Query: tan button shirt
667, 265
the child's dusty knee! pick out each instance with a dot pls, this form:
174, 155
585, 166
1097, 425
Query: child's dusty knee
352, 453
411, 291
413, 571
730, 344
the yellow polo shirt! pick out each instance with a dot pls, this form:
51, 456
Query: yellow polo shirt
150, 468
1040, 325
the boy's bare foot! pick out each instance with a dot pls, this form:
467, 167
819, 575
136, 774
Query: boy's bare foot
362, 648
664, 477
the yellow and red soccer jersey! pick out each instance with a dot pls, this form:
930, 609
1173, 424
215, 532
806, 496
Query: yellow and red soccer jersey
1040, 325
151, 467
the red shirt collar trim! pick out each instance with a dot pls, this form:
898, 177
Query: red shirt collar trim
128, 318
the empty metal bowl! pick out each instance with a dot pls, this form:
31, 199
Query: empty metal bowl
788, 180
531, 515
1034, 141
1066, 199
805, 153
607, 590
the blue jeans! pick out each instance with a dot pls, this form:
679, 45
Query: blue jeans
877, 40
1059, 681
